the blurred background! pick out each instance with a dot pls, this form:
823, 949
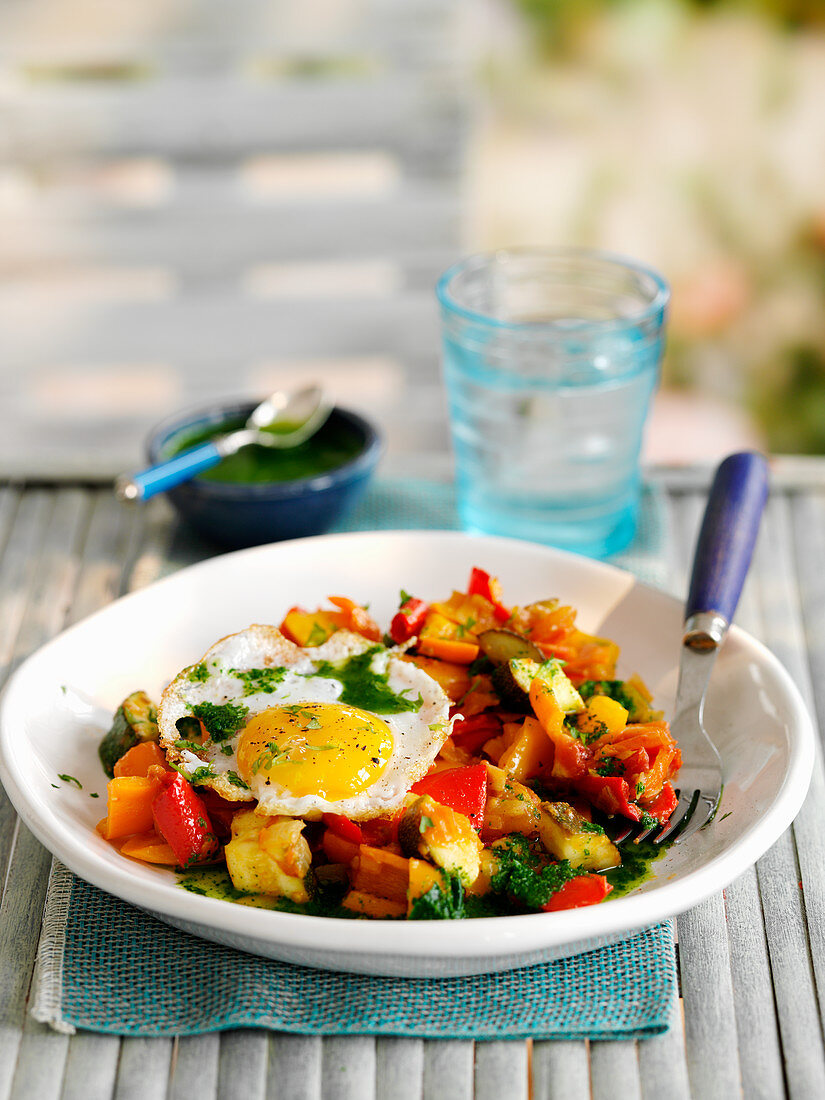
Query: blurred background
210, 198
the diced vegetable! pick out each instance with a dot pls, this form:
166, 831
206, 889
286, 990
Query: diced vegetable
345, 828
512, 682
472, 733
307, 628
565, 834
408, 620
501, 646
129, 805
338, 850
268, 855
609, 793
530, 753
422, 878
482, 584
135, 720
182, 820
140, 758
663, 805
368, 905
511, 807
570, 756
352, 616
460, 653
602, 715
462, 789
149, 847
581, 891
435, 832
380, 872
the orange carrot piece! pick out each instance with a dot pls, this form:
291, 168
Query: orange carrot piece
459, 653
139, 759
149, 847
370, 906
381, 873
129, 805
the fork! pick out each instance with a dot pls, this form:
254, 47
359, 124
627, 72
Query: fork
720, 563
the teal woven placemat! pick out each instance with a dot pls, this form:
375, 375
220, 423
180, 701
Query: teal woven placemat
105, 966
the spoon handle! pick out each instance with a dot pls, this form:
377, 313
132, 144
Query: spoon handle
166, 475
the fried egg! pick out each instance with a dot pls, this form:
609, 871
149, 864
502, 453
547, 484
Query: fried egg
345, 727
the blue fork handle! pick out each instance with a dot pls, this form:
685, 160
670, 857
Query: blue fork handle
728, 535
166, 475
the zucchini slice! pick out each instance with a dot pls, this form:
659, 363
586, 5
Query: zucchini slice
135, 720
501, 646
512, 683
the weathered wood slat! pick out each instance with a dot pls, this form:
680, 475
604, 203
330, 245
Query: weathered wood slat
448, 1069
194, 1071
799, 855
223, 116
561, 1071
40, 1063
216, 237
229, 330
704, 954
143, 1069
399, 1069
91, 1067
611, 1062
501, 1070
294, 1067
348, 1068
760, 1054
662, 1064
242, 1067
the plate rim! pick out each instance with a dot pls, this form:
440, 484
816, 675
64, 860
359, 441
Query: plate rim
513, 935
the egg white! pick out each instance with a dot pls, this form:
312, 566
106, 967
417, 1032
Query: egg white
417, 735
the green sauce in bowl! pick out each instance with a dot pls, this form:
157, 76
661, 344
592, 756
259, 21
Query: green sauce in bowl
334, 444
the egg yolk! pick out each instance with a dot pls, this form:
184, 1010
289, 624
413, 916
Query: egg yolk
326, 749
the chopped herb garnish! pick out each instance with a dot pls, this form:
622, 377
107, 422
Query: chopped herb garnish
93, 794
227, 750
198, 673
259, 680
591, 827
444, 902
192, 746
520, 875
236, 781
71, 779
199, 775
610, 766
403, 597
465, 627
425, 823
221, 719
363, 686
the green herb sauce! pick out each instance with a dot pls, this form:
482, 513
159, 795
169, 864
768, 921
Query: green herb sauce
636, 866
365, 688
334, 444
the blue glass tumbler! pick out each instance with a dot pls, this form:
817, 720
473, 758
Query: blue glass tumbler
551, 358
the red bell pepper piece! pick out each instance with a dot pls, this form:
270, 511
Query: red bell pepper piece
343, 827
182, 820
462, 789
609, 793
579, 891
663, 804
472, 733
409, 620
378, 832
482, 584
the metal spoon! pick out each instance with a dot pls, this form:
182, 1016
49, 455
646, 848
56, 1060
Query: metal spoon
282, 421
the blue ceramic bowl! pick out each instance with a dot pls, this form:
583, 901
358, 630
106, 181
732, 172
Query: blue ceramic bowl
234, 514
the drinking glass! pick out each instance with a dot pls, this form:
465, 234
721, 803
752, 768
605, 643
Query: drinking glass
550, 361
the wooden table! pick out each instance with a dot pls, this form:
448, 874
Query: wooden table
751, 961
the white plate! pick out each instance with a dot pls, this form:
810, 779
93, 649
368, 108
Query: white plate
58, 703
